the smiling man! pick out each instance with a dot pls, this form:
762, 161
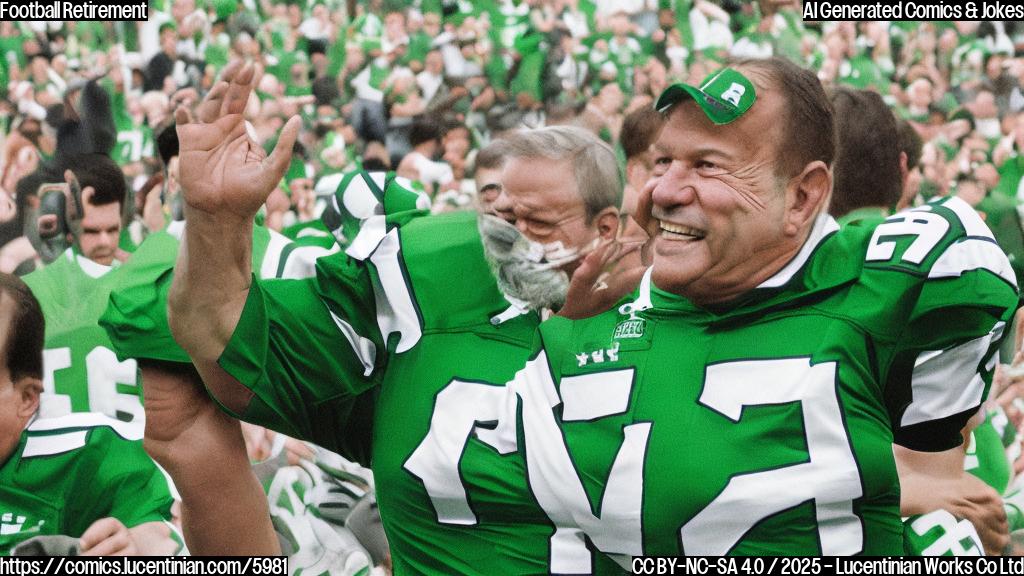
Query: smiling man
746, 398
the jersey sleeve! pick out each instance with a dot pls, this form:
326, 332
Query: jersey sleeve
960, 294
311, 365
312, 351
136, 314
117, 478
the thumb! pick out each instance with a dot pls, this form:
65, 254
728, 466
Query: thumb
275, 165
644, 203
592, 264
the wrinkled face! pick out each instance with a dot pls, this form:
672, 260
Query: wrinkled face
101, 231
719, 206
539, 196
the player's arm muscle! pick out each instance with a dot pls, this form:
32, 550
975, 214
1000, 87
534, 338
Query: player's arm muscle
211, 284
936, 480
203, 451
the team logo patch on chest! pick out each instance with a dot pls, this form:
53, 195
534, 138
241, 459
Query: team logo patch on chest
629, 328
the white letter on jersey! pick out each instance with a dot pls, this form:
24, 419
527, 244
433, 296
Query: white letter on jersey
554, 479
830, 478
457, 411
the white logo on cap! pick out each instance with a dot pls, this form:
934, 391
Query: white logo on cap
734, 93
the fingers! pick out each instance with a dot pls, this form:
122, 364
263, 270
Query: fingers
624, 282
87, 193
228, 74
258, 75
69, 177
238, 91
644, 202
275, 165
182, 117
297, 451
106, 537
209, 108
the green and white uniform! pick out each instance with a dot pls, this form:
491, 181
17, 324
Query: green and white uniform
136, 318
69, 472
766, 426
939, 533
81, 372
383, 358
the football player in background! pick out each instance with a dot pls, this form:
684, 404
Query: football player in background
83, 476
84, 217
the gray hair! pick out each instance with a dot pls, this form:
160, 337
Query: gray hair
599, 179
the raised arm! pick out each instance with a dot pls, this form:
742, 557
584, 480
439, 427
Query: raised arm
225, 178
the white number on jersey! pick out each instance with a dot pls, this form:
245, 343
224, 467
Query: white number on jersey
103, 374
830, 478
458, 411
927, 228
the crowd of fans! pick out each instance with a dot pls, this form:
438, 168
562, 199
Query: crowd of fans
422, 88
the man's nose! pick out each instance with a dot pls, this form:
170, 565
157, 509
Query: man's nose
676, 186
503, 208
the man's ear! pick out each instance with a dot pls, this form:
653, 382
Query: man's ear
607, 222
807, 195
28, 389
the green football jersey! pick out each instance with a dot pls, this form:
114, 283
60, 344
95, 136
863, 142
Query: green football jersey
135, 318
134, 140
766, 426
383, 358
81, 372
68, 472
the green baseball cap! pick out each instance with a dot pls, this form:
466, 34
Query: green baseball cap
723, 96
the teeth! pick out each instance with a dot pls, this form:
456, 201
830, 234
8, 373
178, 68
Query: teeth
680, 229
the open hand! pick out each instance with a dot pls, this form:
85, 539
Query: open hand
222, 170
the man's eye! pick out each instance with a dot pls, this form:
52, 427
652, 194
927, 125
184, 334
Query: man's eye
661, 165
